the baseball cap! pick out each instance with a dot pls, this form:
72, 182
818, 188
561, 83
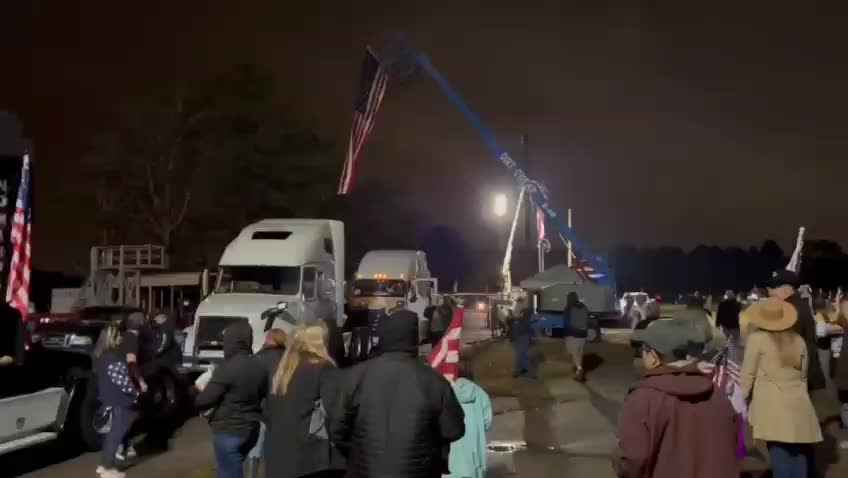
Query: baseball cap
669, 338
783, 277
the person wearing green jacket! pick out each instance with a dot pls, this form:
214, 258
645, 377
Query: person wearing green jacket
468, 454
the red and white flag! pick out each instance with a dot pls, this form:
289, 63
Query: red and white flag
445, 354
369, 95
17, 287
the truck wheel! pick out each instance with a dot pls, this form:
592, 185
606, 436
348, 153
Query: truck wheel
95, 419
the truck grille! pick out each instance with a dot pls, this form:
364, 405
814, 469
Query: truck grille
210, 331
53, 341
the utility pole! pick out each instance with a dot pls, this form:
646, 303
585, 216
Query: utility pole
570, 254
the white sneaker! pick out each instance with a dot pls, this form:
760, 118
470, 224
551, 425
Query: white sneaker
100, 469
843, 445
126, 454
112, 473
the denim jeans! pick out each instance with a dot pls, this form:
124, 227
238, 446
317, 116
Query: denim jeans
791, 460
122, 420
522, 361
230, 452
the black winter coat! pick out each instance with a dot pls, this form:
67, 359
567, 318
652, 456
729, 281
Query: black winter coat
290, 451
237, 387
398, 416
398, 419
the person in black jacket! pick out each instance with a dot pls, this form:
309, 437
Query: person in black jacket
302, 391
235, 393
397, 416
783, 285
727, 316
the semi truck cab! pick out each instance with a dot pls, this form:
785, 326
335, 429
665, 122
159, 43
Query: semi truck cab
277, 273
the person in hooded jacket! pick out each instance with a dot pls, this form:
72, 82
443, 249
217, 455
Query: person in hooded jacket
673, 422
234, 393
303, 388
397, 416
468, 454
440, 321
115, 389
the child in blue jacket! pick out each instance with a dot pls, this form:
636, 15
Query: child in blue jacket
468, 454
117, 390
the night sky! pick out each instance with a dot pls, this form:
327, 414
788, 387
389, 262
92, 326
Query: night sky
678, 125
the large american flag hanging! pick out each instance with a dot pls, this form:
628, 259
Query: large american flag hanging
17, 289
445, 354
369, 95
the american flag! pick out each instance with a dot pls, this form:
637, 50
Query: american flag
17, 287
726, 377
445, 354
727, 367
369, 95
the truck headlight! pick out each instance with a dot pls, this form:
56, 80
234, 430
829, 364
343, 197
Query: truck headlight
79, 341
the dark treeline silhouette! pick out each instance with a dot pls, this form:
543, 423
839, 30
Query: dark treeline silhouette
671, 270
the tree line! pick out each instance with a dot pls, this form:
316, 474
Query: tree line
671, 270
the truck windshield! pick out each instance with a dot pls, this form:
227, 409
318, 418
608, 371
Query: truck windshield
259, 280
379, 288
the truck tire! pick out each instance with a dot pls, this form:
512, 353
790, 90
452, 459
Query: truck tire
94, 419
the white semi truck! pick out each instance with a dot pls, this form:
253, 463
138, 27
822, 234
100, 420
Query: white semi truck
275, 273
386, 279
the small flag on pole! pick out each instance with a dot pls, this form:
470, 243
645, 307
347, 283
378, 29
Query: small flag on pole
17, 288
445, 354
369, 95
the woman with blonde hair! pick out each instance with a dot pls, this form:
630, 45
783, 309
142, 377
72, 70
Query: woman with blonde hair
302, 390
117, 390
774, 378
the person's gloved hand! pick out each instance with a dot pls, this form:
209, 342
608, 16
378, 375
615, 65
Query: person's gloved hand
6, 360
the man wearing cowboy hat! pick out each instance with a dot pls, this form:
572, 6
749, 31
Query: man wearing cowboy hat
783, 285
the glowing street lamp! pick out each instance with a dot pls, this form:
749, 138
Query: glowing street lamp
501, 205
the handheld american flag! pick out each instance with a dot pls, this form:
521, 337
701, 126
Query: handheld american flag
726, 377
445, 354
369, 95
17, 289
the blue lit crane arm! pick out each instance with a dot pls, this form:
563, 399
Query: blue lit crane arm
539, 198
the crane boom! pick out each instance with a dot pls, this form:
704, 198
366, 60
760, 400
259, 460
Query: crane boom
539, 197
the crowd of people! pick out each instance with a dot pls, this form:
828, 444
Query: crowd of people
686, 417
295, 409
291, 408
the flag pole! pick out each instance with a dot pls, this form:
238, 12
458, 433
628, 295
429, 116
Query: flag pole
568, 244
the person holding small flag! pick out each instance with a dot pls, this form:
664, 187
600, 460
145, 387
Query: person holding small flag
675, 422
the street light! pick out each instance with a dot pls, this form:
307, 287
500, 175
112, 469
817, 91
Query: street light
501, 205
